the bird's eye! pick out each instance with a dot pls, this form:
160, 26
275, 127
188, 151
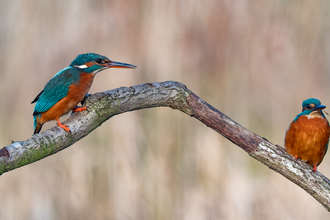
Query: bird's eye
310, 106
100, 61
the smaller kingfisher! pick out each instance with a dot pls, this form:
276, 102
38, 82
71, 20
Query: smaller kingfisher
69, 87
307, 137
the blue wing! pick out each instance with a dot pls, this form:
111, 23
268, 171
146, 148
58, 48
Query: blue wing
56, 89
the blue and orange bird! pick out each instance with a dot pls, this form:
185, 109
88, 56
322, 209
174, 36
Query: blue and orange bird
307, 137
69, 87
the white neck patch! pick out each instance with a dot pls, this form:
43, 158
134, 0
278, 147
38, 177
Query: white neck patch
82, 66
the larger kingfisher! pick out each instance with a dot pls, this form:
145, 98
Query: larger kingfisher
307, 137
69, 87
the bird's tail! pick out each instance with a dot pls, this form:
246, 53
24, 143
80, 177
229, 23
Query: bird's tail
37, 125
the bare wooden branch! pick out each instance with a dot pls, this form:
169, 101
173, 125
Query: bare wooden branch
103, 106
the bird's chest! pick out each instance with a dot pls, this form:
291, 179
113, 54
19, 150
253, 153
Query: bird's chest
307, 138
308, 133
311, 126
78, 91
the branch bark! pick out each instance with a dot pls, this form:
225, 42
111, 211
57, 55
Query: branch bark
103, 106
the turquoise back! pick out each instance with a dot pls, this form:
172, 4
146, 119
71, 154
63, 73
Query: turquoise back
56, 89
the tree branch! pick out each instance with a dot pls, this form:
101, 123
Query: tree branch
103, 106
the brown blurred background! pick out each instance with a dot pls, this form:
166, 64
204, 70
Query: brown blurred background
255, 61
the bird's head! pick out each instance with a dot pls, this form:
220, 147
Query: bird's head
311, 108
93, 63
311, 105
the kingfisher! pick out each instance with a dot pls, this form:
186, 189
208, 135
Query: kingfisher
68, 87
307, 137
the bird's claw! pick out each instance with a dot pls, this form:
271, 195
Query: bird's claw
76, 109
65, 127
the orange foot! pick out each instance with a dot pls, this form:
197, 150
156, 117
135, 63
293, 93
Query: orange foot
79, 109
65, 127
314, 168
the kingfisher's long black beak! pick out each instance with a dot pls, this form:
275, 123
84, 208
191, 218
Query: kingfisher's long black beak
319, 107
114, 64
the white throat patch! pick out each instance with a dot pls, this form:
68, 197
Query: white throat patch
315, 114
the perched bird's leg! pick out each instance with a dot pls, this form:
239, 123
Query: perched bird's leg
65, 127
77, 109
84, 100
314, 168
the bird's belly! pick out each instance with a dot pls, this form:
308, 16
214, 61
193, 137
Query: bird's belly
308, 139
76, 94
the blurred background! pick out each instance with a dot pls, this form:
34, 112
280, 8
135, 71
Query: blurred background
255, 61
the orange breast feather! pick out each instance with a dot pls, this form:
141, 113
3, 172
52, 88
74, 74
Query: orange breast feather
308, 139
